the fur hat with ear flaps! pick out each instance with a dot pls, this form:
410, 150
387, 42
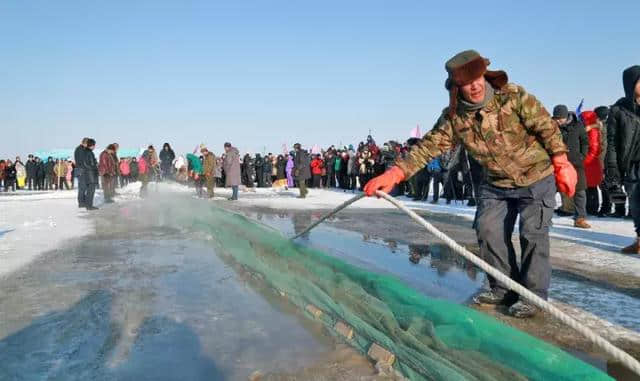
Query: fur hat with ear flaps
464, 68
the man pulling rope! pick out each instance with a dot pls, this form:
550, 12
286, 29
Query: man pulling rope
509, 132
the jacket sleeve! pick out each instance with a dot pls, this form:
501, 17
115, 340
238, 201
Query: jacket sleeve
612, 172
594, 145
537, 120
437, 141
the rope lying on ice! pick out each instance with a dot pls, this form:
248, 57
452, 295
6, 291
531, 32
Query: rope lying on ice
605, 345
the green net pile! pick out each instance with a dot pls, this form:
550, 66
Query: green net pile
432, 339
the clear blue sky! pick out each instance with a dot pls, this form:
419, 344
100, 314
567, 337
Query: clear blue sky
261, 73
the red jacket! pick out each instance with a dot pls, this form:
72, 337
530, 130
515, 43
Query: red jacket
593, 168
316, 166
107, 165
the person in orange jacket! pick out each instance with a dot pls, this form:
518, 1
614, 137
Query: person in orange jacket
317, 167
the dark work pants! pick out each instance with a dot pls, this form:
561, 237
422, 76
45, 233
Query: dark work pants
580, 202
495, 221
316, 181
31, 183
82, 191
303, 188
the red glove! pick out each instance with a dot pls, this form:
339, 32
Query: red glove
565, 173
385, 182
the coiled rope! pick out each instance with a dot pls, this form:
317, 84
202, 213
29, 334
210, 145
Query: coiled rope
615, 352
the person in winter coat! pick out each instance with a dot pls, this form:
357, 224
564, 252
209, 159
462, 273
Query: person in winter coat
509, 132
593, 169
133, 170
40, 174
10, 176
365, 166
623, 157
78, 157
3, 167
125, 171
317, 167
195, 172
218, 172
352, 170
166, 161
330, 164
258, 165
248, 171
209, 170
289, 170
89, 167
574, 136
31, 173
68, 177
146, 168
231, 166
267, 171
50, 176
107, 170
21, 173
60, 170
301, 169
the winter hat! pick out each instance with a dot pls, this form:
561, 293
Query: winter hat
464, 68
630, 77
602, 112
560, 112
589, 118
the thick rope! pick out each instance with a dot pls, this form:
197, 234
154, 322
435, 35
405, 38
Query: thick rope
605, 345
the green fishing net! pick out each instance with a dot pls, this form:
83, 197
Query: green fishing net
432, 339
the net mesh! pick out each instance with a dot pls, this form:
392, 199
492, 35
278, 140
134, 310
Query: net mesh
432, 339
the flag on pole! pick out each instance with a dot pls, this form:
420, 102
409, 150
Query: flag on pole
579, 109
415, 132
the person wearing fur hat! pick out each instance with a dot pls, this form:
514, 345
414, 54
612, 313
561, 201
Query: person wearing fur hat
510, 133
623, 157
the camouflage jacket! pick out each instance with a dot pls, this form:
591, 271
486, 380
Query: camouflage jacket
513, 137
209, 165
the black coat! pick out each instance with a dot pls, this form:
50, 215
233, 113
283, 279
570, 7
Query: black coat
31, 168
10, 172
89, 166
40, 170
48, 169
574, 136
623, 139
302, 165
281, 173
167, 157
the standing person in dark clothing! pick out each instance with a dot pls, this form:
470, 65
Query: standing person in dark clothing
330, 163
574, 136
10, 174
89, 167
267, 170
231, 166
50, 176
166, 161
301, 169
31, 173
78, 158
133, 170
40, 173
433, 171
258, 164
623, 150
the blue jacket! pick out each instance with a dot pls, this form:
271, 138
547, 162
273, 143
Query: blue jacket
434, 165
